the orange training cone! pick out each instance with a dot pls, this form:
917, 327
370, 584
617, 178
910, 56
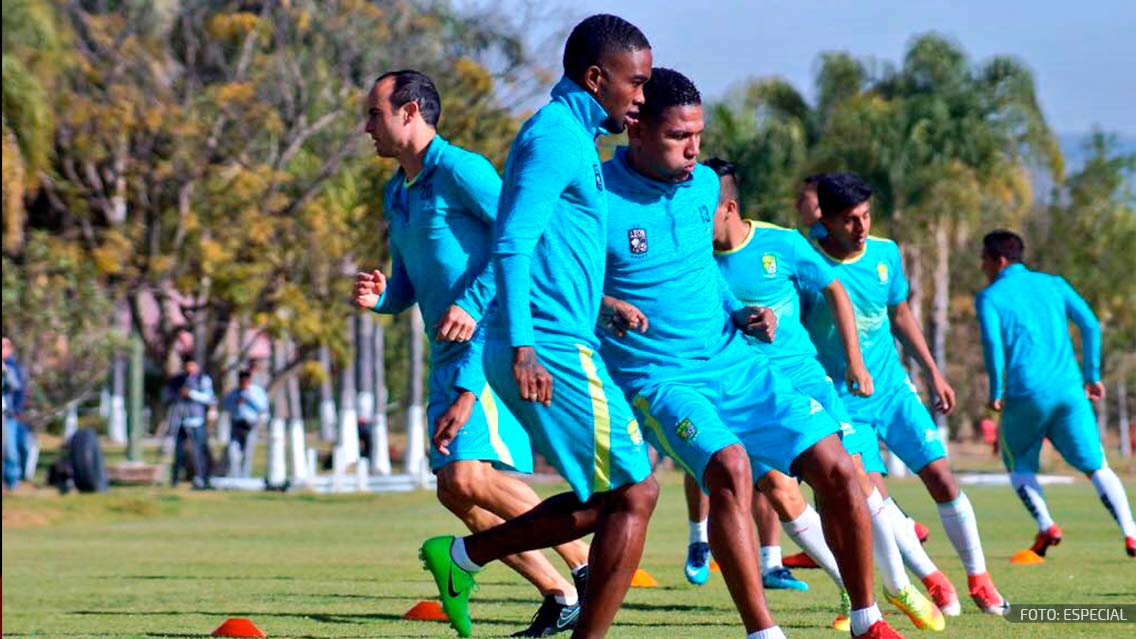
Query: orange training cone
1026, 557
426, 611
643, 579
714, 567
238, 627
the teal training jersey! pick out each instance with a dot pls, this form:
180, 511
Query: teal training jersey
660, 259
551, 225
1024, 318
441, 226
875, 283
772, 267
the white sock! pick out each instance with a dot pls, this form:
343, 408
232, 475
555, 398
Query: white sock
698, 532
884, 549
807, 533
914, 555
1029, 491
769, 633
863, 618
1112, 495
962, 529
567, 599
458, 554
770, 558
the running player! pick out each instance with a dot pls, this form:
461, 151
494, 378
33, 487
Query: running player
709, 400
871, 271
440, 206
1025, 336
772, 266
541, 358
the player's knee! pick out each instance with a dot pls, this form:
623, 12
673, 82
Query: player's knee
940, 481
729, 472
832, 470
640, 498
783, 494
459, 484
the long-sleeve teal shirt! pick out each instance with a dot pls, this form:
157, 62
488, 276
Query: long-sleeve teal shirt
441, 226
660, 258
548, 248
1024, 317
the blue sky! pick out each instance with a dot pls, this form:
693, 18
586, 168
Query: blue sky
1082, 52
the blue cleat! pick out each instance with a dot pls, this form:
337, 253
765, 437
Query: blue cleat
782, 579
697, 567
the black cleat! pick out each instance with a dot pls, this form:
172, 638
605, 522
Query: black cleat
551, 618
580, 580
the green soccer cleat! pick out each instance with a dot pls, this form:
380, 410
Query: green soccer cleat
454, 583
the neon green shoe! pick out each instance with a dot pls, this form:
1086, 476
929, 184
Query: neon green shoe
919, 609
843, 621
454, 583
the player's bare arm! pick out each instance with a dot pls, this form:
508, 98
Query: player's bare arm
905, 327
857, 377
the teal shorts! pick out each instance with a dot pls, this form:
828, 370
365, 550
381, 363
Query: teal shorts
1065, 419
900, 419
807, 374
737, 398
588, 433
492, 434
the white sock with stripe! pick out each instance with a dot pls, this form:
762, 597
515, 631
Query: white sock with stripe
962, 529
914, 555
1029, 491
1112, 495
807, 533
884, 549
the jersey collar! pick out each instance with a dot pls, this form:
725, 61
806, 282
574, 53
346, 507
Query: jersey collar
434, 152
1016, 267
744, 243
589, 113
642, 182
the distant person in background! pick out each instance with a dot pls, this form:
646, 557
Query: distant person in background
808, 210
15, 433
247, 405
190, 394
1024, 317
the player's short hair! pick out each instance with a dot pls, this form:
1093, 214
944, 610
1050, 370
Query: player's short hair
728, 173
667, 88
597, 37
244, 374
1003, 243
811, 180
838, 192
415, 86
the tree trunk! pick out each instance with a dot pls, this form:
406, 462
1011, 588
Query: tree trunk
940, 308
365, 360
117, 424
415, 415
328, 416
380, 446
348, 419
297, 440
277, 474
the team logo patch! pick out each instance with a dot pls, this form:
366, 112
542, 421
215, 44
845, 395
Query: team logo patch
769, 263
930, 436
637, 241
634, 432
814, 406
686, 430
882, 271
599, 177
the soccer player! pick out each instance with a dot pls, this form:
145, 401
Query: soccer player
1025, 337
772, 266
708, 399
871, 270
440, 207
541, 357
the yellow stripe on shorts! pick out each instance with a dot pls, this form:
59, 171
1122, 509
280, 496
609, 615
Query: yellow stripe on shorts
489, 405
601, 422
653, 424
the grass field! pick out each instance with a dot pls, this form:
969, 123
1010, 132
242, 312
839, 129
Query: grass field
159, 563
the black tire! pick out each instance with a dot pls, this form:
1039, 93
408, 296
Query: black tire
87, 462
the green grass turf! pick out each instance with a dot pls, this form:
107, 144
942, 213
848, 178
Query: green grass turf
146, 562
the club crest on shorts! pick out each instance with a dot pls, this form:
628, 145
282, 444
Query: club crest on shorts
634, 432
882, 271
686, 430
637, 241
599, 177
769, 263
